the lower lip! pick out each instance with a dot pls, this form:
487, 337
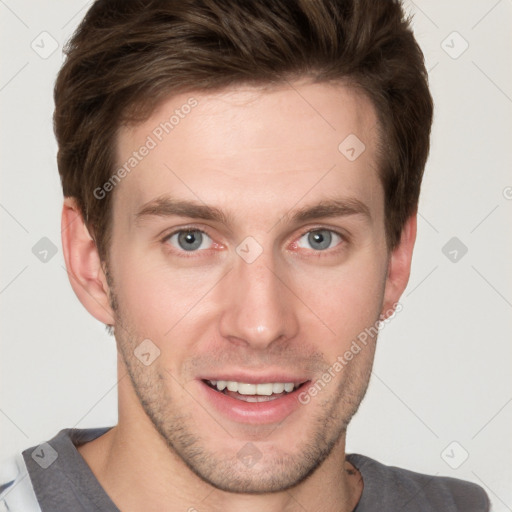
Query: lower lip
255, 413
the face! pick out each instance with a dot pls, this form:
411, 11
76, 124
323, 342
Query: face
247, 248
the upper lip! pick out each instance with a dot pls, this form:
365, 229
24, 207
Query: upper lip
258, 378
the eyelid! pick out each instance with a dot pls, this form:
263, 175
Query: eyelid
187, 254
344, 237
325, 228
187, 227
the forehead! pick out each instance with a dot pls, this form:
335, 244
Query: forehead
290, 140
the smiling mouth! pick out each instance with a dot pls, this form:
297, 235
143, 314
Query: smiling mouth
254, 392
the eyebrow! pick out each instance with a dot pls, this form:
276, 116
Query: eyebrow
166, 206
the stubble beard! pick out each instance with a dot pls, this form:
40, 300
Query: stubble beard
277, 470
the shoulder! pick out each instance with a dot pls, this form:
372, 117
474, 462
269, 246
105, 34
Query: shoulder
390, 487
16, 491
52, 476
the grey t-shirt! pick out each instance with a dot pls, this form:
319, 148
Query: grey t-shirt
63, 482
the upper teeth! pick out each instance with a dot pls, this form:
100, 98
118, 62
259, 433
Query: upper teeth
253, 389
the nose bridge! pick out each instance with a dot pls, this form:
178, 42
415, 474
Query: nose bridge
259, 308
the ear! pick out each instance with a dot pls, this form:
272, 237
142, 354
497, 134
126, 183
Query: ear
399, 266
83, 264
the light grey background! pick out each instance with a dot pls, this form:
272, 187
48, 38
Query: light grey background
443, 367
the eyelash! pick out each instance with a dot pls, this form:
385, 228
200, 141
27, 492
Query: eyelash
320, 254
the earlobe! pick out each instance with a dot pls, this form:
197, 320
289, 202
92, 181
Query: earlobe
83, 264
399, 266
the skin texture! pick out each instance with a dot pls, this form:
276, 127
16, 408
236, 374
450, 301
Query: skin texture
257, 154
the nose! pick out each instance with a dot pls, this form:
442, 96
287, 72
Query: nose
259, 307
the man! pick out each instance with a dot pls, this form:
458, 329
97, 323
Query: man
241, 181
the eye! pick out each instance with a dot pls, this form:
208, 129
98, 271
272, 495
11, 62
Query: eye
189, 240
320, 239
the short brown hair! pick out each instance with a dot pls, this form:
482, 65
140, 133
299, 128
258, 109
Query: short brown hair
127, 56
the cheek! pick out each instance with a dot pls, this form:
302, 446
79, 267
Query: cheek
158, 301
349, 301
163, 303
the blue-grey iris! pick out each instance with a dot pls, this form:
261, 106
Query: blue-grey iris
323, 238
190, 240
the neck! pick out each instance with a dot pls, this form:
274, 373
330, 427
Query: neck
138, 470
